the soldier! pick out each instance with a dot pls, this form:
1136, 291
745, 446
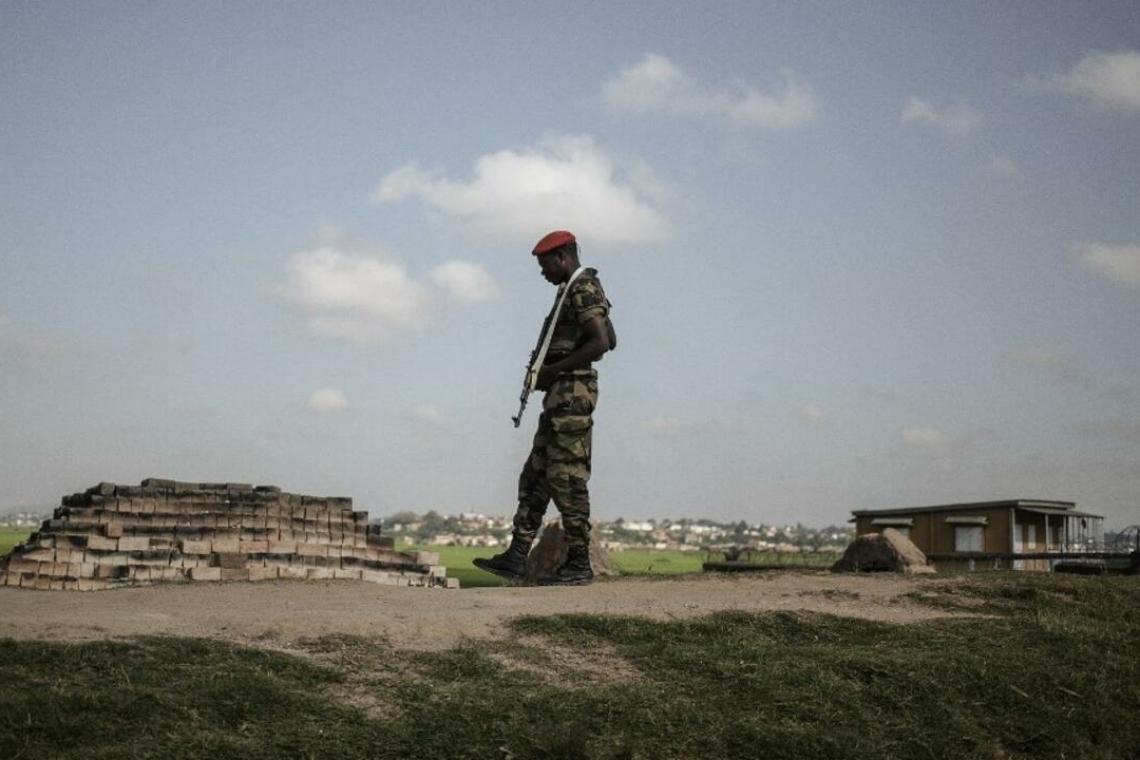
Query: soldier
558, 467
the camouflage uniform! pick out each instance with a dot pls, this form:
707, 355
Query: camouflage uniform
559, 463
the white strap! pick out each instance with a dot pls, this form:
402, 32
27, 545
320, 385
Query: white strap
563, 289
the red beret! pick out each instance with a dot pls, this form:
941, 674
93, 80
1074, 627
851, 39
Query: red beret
553, 240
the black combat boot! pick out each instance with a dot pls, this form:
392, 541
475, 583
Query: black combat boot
575, 571
511, 564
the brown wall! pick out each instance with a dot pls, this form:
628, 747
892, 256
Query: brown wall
933, 535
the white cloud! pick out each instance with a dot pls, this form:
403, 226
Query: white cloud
358, 299
465, 282
656, 85
565, 182
1119, 263
327, 401
924, 437
1110, 80
812, 413
954, 121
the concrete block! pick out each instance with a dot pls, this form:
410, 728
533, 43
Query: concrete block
263, 573
113, 530
228, 560
292, 573
100, 544
112, 572
17, 565
234, 573
206, 573
103, 489
426, 558
345, 573
227, 545
312, 550
281, 547
254, 547
134, 544
319, 574
374, 576
191, 546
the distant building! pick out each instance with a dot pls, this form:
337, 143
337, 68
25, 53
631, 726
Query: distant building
964, 534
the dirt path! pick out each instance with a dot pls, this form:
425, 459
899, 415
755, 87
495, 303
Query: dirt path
280, 613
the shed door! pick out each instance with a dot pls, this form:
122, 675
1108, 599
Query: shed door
967, 538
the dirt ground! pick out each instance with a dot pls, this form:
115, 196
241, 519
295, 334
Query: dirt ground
278, 614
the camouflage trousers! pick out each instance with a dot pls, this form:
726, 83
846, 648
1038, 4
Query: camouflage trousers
558, 467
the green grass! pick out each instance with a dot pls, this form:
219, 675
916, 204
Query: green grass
1050, 670
655, 562
9, 537
457, 560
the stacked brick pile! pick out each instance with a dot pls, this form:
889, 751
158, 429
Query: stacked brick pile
164, 530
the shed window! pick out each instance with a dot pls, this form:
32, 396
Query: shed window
968, 538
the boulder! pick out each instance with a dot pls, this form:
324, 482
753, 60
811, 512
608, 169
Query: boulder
889, 551
549, 553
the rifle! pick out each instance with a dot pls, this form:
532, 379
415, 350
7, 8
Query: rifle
538, 355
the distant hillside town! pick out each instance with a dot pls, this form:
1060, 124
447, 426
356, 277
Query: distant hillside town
686, 534
25, 518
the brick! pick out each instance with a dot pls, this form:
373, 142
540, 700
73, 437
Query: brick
345, 573
190, 546
281, 547
374, 576
292, 573
111, 572
19, 565
426, 558
103, 489
312, 550
234, 573
134, 544
40, 555
206, 573
263, 573
227, 545
228, 560
113, 530
254, 547
319, 574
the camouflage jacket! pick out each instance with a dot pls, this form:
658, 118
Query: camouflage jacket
585, 301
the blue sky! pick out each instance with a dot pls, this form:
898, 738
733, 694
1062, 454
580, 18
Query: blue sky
861, 256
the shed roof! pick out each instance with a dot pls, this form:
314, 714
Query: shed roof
1041, 506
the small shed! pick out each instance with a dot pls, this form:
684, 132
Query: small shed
952, 534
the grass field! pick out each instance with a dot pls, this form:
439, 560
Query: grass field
9, 537
457, 560
1048, 667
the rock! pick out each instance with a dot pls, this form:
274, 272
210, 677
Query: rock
889, 551
549, 553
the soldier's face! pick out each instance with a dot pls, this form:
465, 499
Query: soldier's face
553, 267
